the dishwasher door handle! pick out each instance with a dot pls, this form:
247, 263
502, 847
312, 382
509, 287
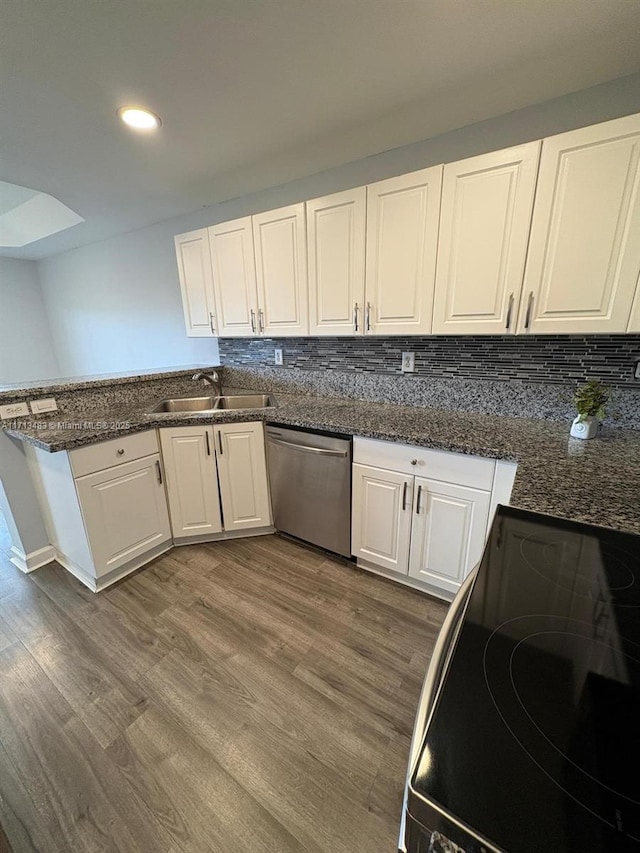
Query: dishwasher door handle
320, 451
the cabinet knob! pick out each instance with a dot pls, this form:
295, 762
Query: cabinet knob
120, 451
414, 461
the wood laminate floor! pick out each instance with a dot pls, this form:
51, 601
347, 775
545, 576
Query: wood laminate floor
242, 696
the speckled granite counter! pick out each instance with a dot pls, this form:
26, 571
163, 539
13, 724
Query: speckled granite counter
596, 481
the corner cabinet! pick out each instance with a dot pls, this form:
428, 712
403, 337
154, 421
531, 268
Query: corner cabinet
196, 283
487, 202
584, 252
216, 481
104, 506
422, 515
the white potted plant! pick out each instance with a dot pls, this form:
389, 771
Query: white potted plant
590, 400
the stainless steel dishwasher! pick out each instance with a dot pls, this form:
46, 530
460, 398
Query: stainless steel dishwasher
310, 477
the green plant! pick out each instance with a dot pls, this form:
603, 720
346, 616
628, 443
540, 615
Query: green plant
590, 400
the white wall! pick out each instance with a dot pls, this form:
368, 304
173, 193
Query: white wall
26, 348
115, 306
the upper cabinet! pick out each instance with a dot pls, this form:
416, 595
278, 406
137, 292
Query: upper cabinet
584, 253
260, 274
281, 271
542, 237
402, 239
196, 283
234, 277
485, 219
335, 242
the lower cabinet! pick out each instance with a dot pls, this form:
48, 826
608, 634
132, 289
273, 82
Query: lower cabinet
429, 529
216, 480
104, 506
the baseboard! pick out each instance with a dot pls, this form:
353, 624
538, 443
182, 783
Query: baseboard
33, 560
405, 580
225, 534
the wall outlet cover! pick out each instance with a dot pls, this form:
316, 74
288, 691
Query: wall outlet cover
278, 356
408, 362
13, 410
46, 405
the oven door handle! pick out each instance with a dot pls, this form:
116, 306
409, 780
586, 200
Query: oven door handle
435, 672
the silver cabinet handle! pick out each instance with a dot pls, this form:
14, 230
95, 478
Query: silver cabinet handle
206, 435
120, 451
414, 461
510, 310
527, 321
355, 317
159, 471
211, 323
220, 442
368, 317
404, 495
260, 320
419, 495
253, 321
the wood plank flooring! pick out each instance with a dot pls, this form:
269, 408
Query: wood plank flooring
246, 696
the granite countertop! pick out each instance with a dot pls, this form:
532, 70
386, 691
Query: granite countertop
596, 481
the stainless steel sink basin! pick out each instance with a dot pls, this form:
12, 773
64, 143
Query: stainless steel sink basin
212, 404
187, 404
245, 401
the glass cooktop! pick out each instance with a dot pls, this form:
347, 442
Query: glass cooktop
535, 738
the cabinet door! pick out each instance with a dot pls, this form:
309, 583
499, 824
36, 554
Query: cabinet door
381, 517
402, 237
584, 254
242, 467
485, 220
335, 242
448, 534
125, 512
234, 277
281, 269
196, 283
192, 482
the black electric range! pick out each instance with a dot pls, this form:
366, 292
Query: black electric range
533, 742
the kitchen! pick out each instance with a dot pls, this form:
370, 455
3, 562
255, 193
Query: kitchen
215, 664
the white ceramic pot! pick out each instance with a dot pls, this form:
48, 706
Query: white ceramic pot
587, 428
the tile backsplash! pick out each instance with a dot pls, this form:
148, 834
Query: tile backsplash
536, 358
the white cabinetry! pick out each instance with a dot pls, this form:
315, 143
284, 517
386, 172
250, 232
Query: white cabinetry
281, 272
484, 230
402, 238
216, 480
422, 514
381, 521
104, 519
584, 252
242, 469
234, 277
260, 274
634, 322
335, 244
196, 283
192, 486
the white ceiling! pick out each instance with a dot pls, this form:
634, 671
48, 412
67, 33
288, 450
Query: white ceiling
254, 93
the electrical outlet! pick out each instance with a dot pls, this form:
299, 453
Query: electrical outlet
278, 356
13, 410
637, 370
408, 362
40, 406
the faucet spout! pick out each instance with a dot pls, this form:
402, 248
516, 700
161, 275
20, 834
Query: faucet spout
212, 378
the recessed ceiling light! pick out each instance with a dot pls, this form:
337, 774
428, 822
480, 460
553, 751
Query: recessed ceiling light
139, 118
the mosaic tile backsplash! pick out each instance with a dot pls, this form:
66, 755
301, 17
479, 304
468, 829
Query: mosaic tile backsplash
565, 359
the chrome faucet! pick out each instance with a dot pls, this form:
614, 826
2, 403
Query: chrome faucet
213, 378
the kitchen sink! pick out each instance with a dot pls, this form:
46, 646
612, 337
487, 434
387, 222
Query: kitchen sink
212, 404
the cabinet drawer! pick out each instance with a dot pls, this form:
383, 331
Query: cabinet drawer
97, 457
473, 471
